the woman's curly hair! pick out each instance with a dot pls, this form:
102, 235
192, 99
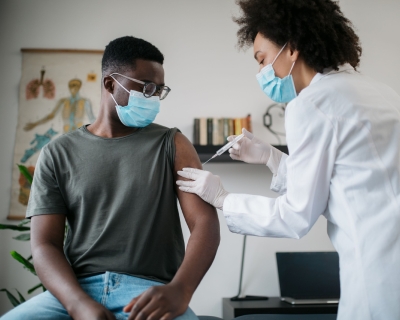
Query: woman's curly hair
316, 28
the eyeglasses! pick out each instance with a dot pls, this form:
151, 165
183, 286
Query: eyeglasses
149, 88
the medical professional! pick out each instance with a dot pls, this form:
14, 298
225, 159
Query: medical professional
343, 135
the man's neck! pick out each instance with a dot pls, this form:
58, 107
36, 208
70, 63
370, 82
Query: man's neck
107, 127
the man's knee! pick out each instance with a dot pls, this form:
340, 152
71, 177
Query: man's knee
41, 307
188, 315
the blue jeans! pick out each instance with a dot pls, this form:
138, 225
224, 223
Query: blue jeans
112, 290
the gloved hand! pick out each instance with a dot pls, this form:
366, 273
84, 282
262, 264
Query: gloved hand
206, 185
250, 149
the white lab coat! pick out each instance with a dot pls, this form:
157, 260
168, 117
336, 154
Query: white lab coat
343, 135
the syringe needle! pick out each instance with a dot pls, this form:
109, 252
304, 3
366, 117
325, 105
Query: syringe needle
225, 147
209, 159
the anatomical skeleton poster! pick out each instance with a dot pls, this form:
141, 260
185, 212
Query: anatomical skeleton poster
59, 92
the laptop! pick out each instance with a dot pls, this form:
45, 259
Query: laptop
309, 277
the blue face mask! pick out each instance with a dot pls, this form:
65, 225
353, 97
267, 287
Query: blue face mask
140, 111
279, 90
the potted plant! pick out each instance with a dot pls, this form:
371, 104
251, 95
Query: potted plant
25, 235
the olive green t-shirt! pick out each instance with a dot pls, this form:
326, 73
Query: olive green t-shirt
119, 199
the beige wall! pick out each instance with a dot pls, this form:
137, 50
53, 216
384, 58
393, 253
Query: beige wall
198, 41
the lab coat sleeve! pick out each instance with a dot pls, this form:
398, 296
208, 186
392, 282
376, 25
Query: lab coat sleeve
306, 173
277, 165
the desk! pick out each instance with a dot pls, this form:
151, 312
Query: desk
233, 309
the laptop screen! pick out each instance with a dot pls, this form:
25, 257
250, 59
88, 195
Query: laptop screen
309, 275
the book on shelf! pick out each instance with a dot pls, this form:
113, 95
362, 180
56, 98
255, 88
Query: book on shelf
215, 131
209, 131
202, 132
196, 130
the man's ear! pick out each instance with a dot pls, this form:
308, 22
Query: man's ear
108, 84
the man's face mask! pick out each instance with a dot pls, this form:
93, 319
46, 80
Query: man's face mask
279, 90
140, 111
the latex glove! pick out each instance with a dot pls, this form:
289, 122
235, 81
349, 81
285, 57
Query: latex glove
250, 149
206, 185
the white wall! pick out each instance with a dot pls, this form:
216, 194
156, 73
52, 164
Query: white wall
209, 78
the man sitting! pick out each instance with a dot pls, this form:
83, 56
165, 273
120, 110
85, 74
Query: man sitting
114, 183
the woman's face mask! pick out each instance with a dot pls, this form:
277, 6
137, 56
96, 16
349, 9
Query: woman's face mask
140, 111
279, 90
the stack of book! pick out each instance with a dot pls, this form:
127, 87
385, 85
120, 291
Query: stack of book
214, 131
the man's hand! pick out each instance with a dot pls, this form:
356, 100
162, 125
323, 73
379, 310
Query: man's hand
90, 309
204, 184
250, 149
160, 302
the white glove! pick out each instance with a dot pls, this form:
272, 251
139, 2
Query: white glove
250, 149
206, 185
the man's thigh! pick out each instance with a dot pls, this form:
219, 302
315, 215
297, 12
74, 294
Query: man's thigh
41, 307
122, 289
112, 290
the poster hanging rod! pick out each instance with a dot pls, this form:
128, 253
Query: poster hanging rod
39, 50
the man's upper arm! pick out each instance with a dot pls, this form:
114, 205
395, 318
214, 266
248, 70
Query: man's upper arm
193, 207
45, 196
47, 229
46, 206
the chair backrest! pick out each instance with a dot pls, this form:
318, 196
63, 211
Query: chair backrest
287, 317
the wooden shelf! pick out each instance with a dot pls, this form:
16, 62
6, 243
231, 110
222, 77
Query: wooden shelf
206, 152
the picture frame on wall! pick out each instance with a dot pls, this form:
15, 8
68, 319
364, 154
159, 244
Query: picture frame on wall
59, 92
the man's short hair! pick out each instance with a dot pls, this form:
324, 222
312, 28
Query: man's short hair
123, 52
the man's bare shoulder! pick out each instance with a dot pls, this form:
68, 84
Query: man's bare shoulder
185, 153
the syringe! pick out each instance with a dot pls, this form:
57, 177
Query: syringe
225, 147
